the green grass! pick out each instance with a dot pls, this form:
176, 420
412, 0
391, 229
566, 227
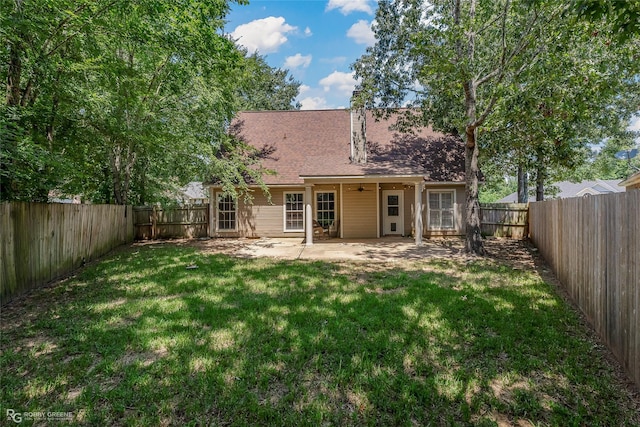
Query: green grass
138, 339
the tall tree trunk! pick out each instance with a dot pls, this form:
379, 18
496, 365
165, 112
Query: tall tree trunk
523, 185
473, 242
122, 161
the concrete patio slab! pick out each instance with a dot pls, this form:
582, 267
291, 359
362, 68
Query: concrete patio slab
387, 249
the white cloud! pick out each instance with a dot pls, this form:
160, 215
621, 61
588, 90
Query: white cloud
304, 89
297, 60
342, 82
634, 125
314, 103
348, 6
263, 35
361, 33
307, 32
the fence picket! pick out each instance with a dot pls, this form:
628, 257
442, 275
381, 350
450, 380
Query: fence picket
41, 242
182, 222
592, 245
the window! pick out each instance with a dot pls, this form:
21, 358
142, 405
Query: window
226, 213
293, 211
441, 210
325, 208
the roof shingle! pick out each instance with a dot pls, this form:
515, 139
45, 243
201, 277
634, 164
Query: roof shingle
317, 143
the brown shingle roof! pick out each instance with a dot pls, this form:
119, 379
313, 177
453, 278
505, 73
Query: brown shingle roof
317, 143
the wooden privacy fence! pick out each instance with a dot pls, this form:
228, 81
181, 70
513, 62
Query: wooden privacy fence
505, 220
593, 246
40, 242
157, 223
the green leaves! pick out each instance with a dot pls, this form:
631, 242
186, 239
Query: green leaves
131, 98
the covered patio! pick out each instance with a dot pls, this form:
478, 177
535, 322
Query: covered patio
384, 249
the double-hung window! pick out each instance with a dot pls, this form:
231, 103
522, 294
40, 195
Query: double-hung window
293, 211
441, 204
227, 213
325, 208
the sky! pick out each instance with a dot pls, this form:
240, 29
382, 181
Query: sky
316, 40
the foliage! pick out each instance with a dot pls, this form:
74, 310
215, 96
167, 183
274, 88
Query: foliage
624, 15
123, 101
579, 92
605, 165
266, 88
139, 339
458, 61
527, 84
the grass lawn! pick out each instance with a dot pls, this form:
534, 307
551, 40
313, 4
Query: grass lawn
139, 339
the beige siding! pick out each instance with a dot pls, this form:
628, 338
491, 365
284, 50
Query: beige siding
261, 218
359, 214
409, 222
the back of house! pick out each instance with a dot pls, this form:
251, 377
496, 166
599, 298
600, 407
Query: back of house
346, 172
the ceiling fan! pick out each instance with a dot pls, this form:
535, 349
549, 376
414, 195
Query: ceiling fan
361, 188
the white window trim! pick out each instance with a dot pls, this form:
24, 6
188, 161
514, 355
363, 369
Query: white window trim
315, 203
453, 208
225, 230
284, 212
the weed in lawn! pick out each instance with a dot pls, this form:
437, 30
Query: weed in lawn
139, 339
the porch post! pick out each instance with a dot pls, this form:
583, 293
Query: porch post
418, 213
341, 224
308, 200
378, 209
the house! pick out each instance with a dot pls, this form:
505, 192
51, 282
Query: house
568, 189
342, 171
632, 182
193, 193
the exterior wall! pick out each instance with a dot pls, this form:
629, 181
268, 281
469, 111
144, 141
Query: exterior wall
635, 185
359, 214
259, 218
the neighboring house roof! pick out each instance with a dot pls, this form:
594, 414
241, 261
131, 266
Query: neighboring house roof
304, 144
568, 189
193, 190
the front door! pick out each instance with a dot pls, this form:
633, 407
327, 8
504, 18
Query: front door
392, 212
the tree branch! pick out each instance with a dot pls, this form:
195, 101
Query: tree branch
71, 36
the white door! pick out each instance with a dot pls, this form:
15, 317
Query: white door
392, 212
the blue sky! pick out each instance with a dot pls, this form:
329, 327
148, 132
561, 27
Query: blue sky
316, 40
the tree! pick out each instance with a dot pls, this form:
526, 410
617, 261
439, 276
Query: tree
40, 41
457, 59
580, 92
265, 88
122, 101
624, 16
